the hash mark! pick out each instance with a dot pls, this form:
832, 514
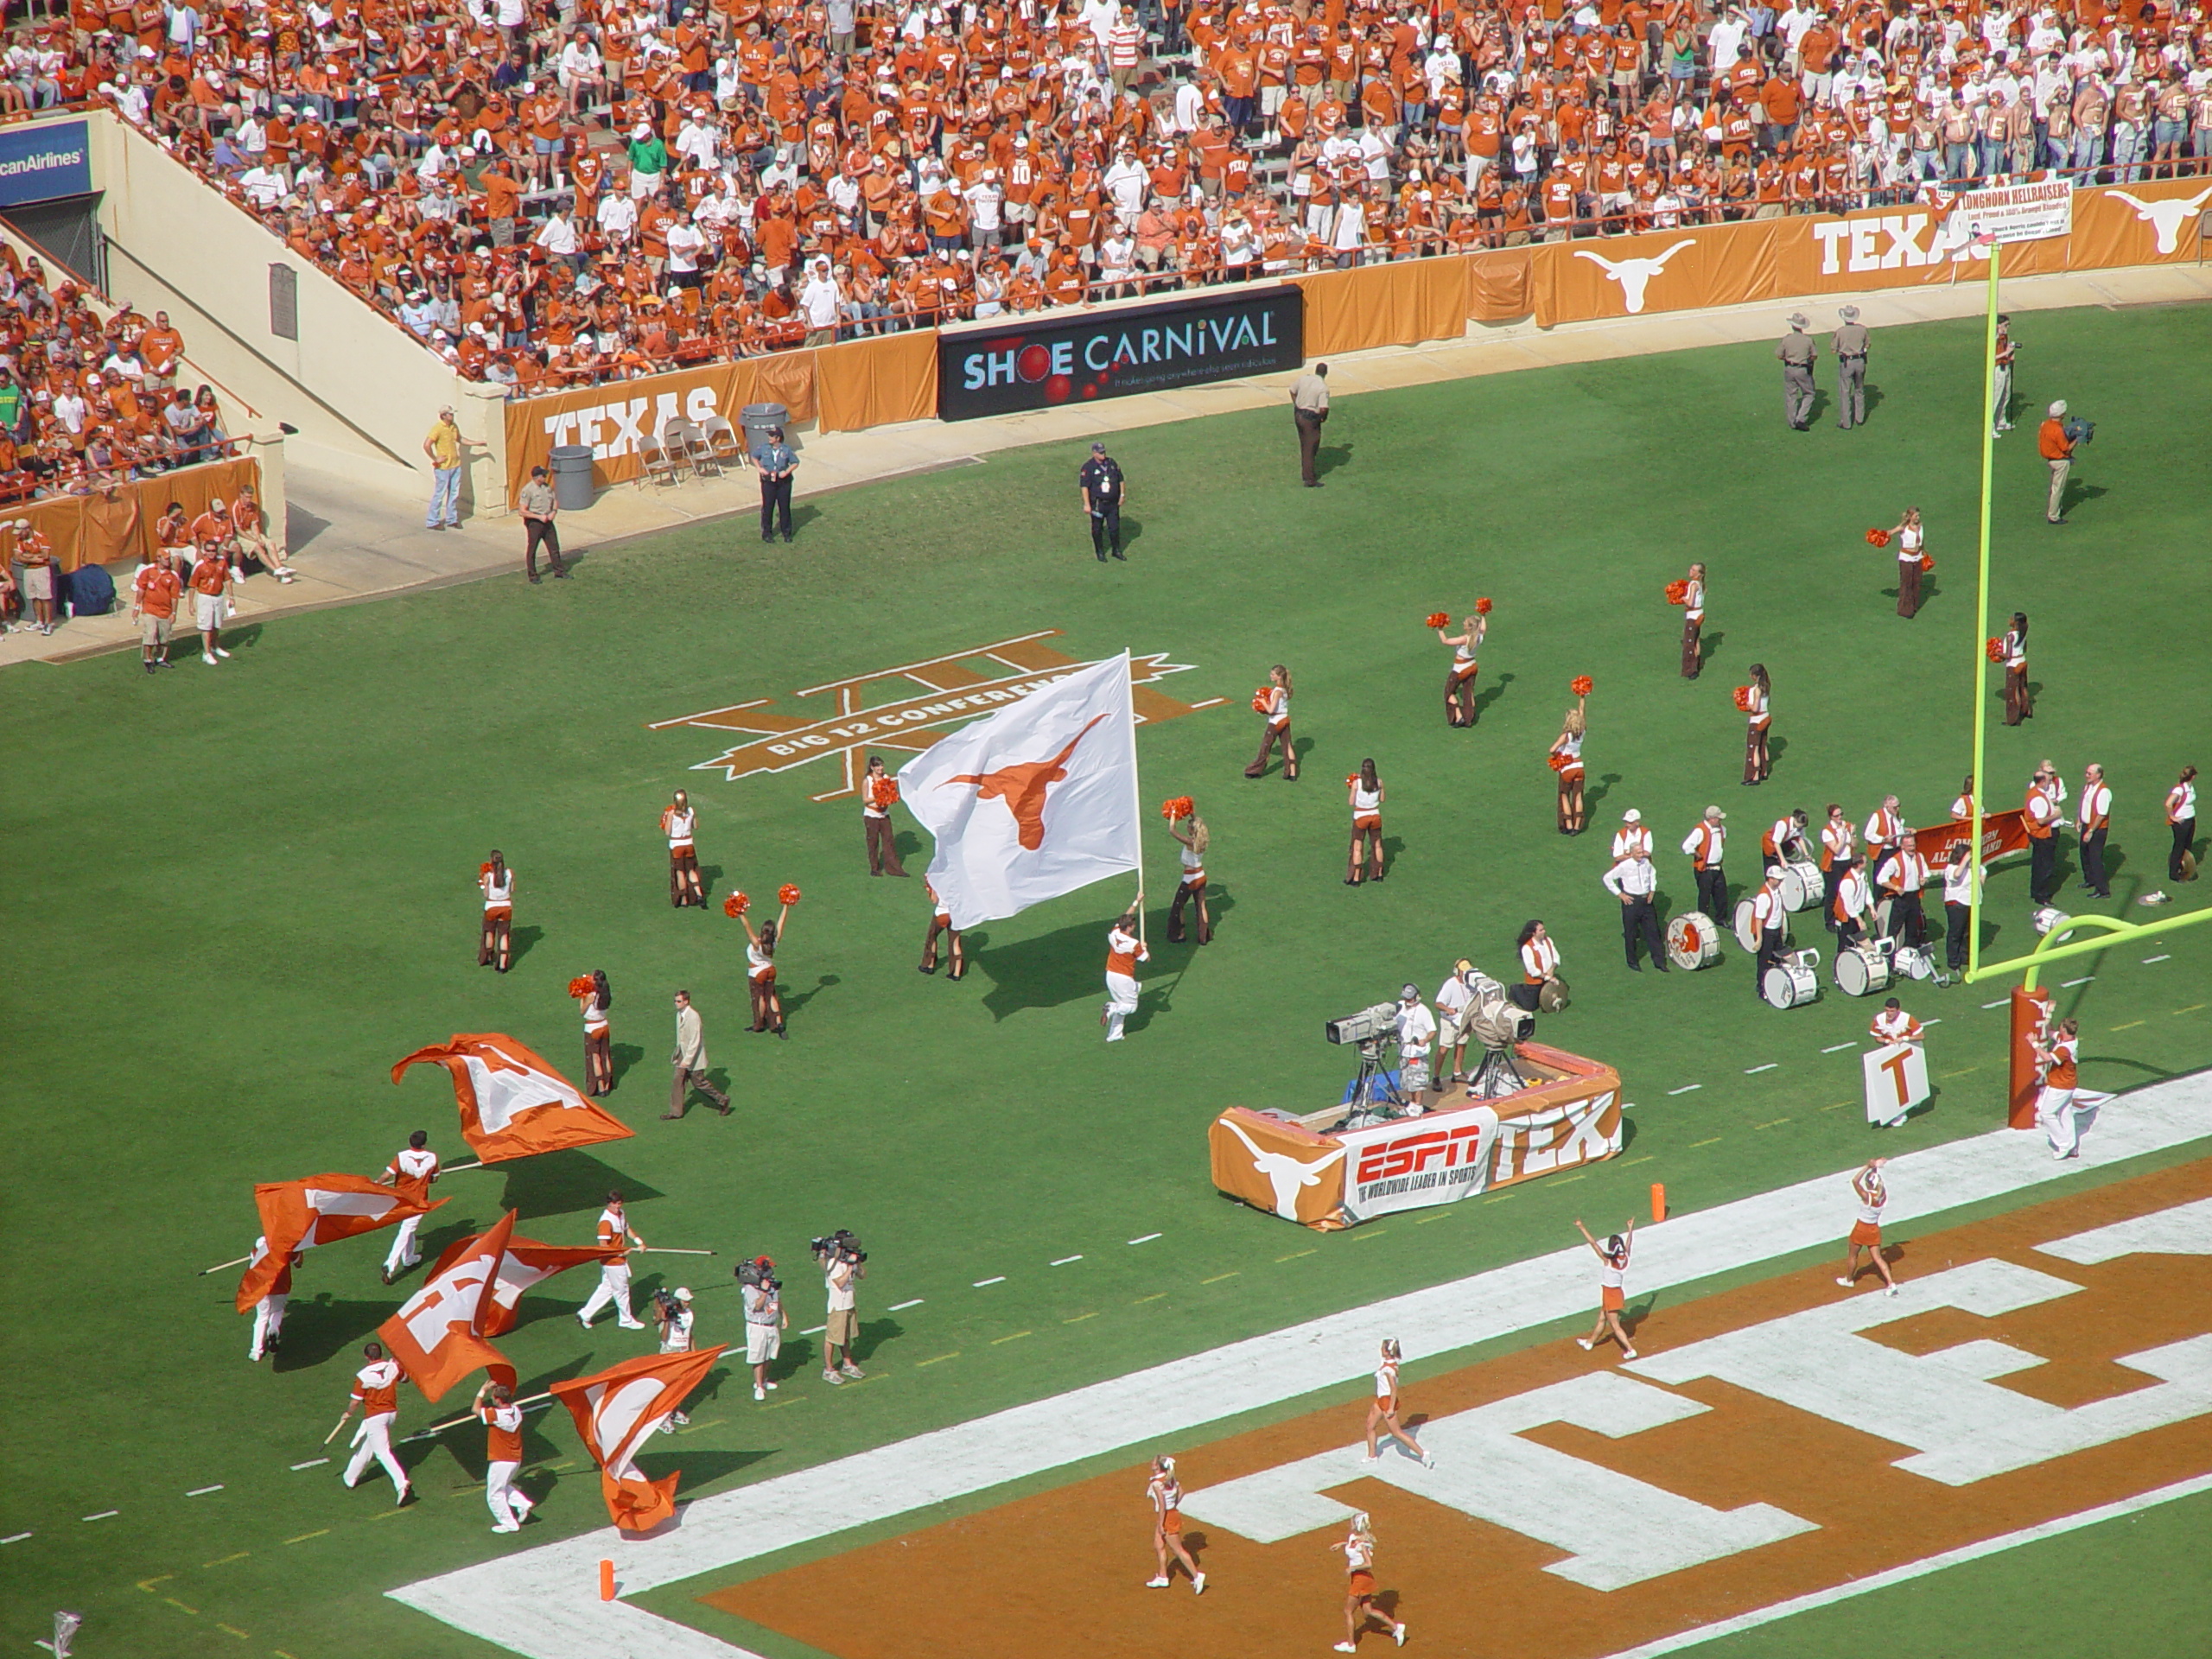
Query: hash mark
2191, 1009
147, 1584
1147, 1239
811, 1330
939, 1360
173, 1602
1755, 1069
1769, 1126
243, 1554
2147, 961
1685, 1088
14, 1538
202, 1491
312, 1463
304, 1537
1293, 1255
1999, 1003
1694, 1145
1080, 1318
901, 1307
1646, 1159
1218, 1277
1937, 1020
103, 1515
1000, 1280
1365, 1233
1947, 1076
232, 1630
1155, 1297
1065, 1260
1016, 1337
1564, 1179
1838, 1048
2130, 1025
1837, 1107
2068, 985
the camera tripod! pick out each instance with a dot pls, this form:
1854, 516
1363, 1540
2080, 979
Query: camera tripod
1496, 1076
1375, 1094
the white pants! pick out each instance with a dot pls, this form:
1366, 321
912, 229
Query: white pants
614, 1287
373, 1440
403, 1246
268, 1324
509, 1507
2055, 1116
1120, 1003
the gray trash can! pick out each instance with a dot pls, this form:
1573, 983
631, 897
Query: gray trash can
572, 476
757, 418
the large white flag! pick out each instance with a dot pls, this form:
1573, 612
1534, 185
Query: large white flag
1035, 801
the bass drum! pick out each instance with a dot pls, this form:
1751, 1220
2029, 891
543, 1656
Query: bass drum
1802, 886
1746, 934
1693, 941
1863, 969
1793, 981
1914, 963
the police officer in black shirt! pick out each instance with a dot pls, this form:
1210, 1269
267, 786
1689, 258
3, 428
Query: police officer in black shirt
1102, 488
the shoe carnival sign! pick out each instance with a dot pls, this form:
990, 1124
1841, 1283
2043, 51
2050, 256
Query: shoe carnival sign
1454, 1151
1036, 362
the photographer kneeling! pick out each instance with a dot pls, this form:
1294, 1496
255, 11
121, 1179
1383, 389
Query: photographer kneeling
672, 1315
844, 1263
765, 1319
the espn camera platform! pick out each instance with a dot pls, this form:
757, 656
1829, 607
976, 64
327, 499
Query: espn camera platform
1394, 1144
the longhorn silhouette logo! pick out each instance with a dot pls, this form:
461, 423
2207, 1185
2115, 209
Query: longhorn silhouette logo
2166, 216
1284, 1172
1633, 274
1022, 787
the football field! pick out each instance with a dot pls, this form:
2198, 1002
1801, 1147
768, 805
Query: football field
238, 896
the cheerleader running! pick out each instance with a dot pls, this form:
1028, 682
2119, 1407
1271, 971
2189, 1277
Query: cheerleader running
677, 823
941, 922
760, 972
496, 947
599, 1057
1566, 762
1459, 681
1758, 761
1190, 889
1167, 1495
1612, 1287
1363, 793
1382, 1409
1272, 704
1359, 1586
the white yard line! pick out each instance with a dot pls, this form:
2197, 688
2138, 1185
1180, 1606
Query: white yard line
543, 1603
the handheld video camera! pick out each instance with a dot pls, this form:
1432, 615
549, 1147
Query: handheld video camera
760, 1274
841, 1244
665, 1306
2078, 430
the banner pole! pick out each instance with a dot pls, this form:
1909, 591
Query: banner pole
1980, 790
1136, 807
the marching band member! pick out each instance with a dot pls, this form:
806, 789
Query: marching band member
1273, 705
1785, 833
941, 922
1884, 831
1633, 881
1853, 909
1191, 885
1836, 838
1167, 1495
2012, 651
495, 1408
1866, 1232
677, 821
496, 947
2043, 841
2181, 819
1958, 901
1359, 1586
1893, 1024
1901, 877
1693, 622
2091, 820
761, 970
1706, 846
1633, 838
1363, 794
1962, 804
2052, 784
878, 793
1124, 951
1566, 760
1909, 537
1459, 681
2055, 1101
1612, 1287
1758, 759
599, 1055
269, 1312
1382, 1409
1540, 964
412, 1171
376, 1396
1770, 916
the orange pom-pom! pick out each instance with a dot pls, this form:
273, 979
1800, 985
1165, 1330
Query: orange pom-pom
1181, 807
1678, 591
787, 894
1351, 780
1260, 701
1995, 651
1439, 619
735, 905
582, 985
1558, 761
1482, 607
1877, 539
1927, 562
1743, 699
1581, 685
887, 792
485, 869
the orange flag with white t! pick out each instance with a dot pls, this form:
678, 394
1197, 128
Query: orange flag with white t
300, 1214
525, 1263
616, 1410
513, 1103
437, 1336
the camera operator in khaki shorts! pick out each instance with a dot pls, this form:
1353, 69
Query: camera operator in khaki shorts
843, 1264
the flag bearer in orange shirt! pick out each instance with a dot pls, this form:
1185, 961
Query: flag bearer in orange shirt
502, 1419
376, 1395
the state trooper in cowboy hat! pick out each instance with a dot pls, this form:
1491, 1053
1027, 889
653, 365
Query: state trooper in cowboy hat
1849, 342
1798, 353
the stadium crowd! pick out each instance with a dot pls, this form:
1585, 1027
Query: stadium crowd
622, 186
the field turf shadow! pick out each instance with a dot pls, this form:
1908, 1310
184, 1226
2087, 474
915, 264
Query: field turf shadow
556, 1182
319, 1329
1048, 971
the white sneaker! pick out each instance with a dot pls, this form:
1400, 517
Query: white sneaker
832, 1378
760, 1393
1155, 1583
1198, 1583
507, 1526
1845, 1283
1372, 1457
632, 1325
208, 658
1628, 1353
771, 1387
521, 1505
1584, 1343
1428, 1461
583, 1321
1399, 1633
1346, 1647
219, 651
1892, 1290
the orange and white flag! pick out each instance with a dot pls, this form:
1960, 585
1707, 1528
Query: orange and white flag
437, 1336
616, 1410
300, 1214
513, 1103
526, 1262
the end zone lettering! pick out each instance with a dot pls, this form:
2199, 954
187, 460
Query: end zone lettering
994, 369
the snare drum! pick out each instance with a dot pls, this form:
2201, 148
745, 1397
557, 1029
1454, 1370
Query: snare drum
1802, 886
1693, 941
1863, 969
1913, 962
1793, 981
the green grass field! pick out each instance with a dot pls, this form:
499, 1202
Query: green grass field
237, 897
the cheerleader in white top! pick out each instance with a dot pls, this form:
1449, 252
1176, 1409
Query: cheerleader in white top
599, 1055
1612, 1287
1962, 803
677, 821
495, 948
1363, 794
760, 967
1459, 680
2012, 651
1566, 762
1165, 1493
941, 922
1272, 703
2181, 817
1358, 1551
1692, 590
1912, 541
1866, 1232
1191, 887
1756, 701
1382, 1409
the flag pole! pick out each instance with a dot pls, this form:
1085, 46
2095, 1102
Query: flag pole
668, 1249
455, 1423
220, 1265
1136, 807
455, 1169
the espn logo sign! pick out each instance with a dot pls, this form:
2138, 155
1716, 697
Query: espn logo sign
1413, 1154
1458, 1155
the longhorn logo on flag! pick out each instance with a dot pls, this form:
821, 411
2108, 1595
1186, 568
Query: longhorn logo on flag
513, 1103
1035, 801
525, 1263
437, 1336
614, 1412
300, 1214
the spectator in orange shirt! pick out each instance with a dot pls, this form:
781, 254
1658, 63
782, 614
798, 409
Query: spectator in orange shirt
153, 607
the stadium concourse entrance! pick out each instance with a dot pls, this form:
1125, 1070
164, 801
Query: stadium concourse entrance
67, 231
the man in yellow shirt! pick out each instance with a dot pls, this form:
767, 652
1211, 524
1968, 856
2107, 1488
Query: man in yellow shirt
443, 447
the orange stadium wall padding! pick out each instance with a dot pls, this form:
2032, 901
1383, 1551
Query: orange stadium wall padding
1623, 276
1497, 284
878, 382
1399, 304
116, 525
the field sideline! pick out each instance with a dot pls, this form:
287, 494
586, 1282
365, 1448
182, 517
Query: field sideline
242, 893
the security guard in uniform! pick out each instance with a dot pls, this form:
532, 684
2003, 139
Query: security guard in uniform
1103, 491
775, 463
1798, 354
1850, 343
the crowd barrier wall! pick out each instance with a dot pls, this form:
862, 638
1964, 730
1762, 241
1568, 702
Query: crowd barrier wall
116, 525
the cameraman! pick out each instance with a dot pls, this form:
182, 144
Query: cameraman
1416, 1032
765, 1319
844, 1263
2055, 438
672, 1314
